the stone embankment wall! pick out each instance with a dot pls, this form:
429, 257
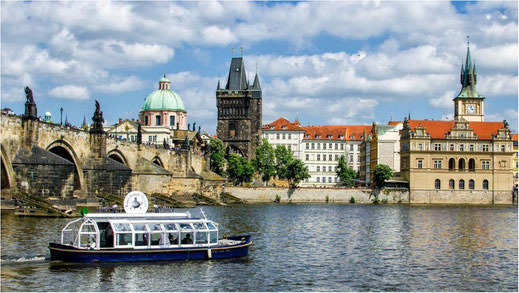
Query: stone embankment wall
461, 197
316, 195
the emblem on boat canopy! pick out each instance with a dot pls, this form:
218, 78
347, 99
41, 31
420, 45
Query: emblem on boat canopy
135, 202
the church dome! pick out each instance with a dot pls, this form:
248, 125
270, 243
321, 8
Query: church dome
163, 99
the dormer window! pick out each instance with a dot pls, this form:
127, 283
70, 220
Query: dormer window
271, 127
284, 127
317, 136
341, 137
329, 136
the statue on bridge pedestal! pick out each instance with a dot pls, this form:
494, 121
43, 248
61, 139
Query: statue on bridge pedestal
97, 127
31, 112
139, 134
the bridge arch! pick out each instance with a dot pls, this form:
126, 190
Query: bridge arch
118, 156
64, 149
7, 170
157, 161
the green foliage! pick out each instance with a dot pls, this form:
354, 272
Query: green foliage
265, 161
283, 158
217, 156
296, 172
384, 200
376, 200
278, 198
352, 200
381, 174
240, 170
84, 127
327, 199
345, 174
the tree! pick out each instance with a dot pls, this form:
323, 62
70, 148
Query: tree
345, 174
240, 170
283, 158
217, 156
381, 174
265, 161
296, 172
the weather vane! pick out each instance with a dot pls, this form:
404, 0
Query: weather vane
232, 51
241, 50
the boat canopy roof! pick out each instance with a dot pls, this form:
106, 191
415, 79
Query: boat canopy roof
169, 216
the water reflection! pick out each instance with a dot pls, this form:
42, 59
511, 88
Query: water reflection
300, 248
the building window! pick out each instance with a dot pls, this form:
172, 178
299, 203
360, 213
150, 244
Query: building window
277, 135
461, 164
485, 165
324, 157
307, 157
342, 146
318, 157
451, 147
324, 146
330, 157
420, 147
284, 136
437, 147
306, 146
351, 158
171, 120
335, 178
471, 147
336, 157
318, 168
452, 164
158, 120
336, 146
330, 144
472, 165
462, 147
329, 179
451, 184
420, 164
146, 121
289, 136
462, 184
437, 184
437, 164
471, 184
313, 146
318, 179
329, 168
485, 184
502, 148
485, 147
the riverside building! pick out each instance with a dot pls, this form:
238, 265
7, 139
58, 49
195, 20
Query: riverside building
465, 160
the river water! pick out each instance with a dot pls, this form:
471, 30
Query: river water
314, 247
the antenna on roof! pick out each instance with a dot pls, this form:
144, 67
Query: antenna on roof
391, 115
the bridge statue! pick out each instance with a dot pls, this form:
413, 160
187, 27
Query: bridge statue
31, 112
139, 134
98, 120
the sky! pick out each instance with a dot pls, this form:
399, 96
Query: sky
322, 63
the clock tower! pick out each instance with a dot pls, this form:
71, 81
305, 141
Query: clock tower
469, 104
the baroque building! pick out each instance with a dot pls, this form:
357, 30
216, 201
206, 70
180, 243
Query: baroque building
239, 107
461, 161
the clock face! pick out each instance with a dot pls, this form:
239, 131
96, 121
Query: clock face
135, 202
471, 108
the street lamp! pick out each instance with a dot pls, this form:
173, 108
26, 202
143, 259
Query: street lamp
61, 117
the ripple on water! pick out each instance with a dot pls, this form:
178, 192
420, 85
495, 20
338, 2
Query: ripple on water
298, 248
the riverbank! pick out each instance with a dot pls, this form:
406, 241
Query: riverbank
317, 195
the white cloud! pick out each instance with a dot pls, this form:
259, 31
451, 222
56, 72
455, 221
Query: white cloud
120, 85
70, 92
445, 101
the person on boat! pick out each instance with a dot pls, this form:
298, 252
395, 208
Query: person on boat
109, 239
172, 239
188, 239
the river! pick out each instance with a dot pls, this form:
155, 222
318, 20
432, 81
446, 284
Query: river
298, 247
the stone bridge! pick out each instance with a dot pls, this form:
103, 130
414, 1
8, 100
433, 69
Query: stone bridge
53, 161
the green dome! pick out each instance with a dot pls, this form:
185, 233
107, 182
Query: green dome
164, 99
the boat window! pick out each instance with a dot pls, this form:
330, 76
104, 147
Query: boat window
141, 239
88, 227
210, 225
213, 236
155, 227
201, 237
187, 237
199, 226
170, 227
185, 226
140, 227
86, 240
173, 238
156, 238
122, 227
124, 239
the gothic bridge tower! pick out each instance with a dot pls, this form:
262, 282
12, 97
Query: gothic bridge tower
469, 104
239, 111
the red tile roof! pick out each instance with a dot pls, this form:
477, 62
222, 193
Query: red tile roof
282, 124
349, 132
438, 128
514, 136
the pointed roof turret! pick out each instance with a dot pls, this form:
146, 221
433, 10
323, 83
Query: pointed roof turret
237, 79
256, 84
468, 78
84, 121
218, 85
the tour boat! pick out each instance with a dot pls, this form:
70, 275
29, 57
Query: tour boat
140, 236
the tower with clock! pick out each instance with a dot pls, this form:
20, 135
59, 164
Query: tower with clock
469, 104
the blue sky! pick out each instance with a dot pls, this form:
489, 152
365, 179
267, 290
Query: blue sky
321, 62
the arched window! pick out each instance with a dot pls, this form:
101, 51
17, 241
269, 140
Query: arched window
471, 184
437, 184
461, 164
462, 184
472, 165
452, 164
451, 184
485, 184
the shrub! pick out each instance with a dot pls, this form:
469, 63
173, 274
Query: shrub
327, 199
352, 200
375, 200
384, 200
278, 198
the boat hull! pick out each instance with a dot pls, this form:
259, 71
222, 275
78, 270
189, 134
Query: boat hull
67, 253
